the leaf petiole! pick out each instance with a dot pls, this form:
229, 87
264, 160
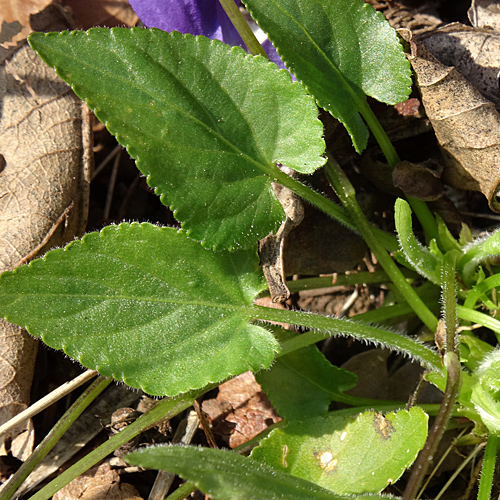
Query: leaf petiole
246, 33
323, 327
347, 195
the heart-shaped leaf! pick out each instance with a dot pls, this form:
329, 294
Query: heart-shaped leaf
229, 476
145, 305
205, 122
347, 455
341, 50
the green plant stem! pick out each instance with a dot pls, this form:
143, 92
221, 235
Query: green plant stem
421, 465
420, 208
328, 207
54, 436
165, 409
449, 287
481, 288
246, 33
182, 491
361, 278
488, 469
47, 400
318, 200
324, 327
454, 374
347, 195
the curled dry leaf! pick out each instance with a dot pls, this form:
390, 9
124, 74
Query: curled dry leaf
45, 147
466, 123
485, 13
271, 248
473, 52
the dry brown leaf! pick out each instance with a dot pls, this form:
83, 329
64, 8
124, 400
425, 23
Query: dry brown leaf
473, 52
271, 248
20, 11
99, 483
418, 181
485, 13
466, 123
107, 13
240, 411
45, 147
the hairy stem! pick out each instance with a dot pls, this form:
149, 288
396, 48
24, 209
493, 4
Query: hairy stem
418, 206
324, 327
329, 207
345, 191
454, 373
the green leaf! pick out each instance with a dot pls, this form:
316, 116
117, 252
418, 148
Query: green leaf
472, 350
145, 305
303, 383
347, 455
446, 240
205, 122
423, 261
486, 392
341, 50
227, 476
477, 252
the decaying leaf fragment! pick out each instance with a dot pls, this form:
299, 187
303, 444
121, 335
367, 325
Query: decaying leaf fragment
466, 123
45, 148
271, 248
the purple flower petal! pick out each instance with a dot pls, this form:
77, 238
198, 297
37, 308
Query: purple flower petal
198, 17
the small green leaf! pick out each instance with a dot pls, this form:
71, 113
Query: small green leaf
477, 252
227, 476
486, 392
347, 455
479, 292
145, 305
424, 262
303, 383
341, 50
472, 350
446, 240
205, 122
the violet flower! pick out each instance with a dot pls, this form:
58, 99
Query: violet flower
198, 17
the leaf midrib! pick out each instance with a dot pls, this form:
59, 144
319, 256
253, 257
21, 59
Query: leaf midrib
264, 167
328, 61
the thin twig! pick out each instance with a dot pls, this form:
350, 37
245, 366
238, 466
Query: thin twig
46, 401
183, 435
